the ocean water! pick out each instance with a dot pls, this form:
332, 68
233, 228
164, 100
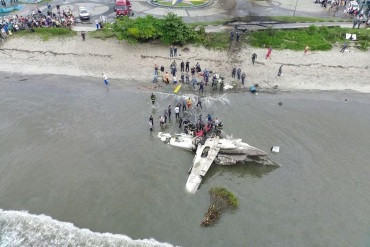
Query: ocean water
19, 228
79, 167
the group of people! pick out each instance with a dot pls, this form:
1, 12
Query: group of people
197, 78
37, 19
199, 128
188, 74
235, 34
3, 2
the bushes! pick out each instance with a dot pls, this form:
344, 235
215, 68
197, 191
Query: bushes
317, 38
170, 30
175, 31
291, 39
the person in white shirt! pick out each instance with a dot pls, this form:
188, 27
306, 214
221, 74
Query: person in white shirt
177, 112
105, 80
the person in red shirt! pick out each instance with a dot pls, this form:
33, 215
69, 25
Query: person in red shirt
269, 50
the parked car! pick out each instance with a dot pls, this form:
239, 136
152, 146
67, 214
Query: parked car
83, 13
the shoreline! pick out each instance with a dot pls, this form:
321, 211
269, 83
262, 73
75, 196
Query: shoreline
133, 65
337, 95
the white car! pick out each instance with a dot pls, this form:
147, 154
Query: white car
82, 12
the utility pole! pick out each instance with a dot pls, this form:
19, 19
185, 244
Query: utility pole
295, 8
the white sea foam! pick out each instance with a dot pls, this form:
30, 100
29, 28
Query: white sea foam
208, 101
19, 228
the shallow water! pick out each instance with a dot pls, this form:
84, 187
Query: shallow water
78, 153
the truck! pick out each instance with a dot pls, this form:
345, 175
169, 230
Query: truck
123, 8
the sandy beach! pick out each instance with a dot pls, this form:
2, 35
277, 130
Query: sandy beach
133, 64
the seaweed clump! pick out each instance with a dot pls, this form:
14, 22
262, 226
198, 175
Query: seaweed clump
222, 201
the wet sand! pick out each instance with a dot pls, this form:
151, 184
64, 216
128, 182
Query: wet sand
128, 64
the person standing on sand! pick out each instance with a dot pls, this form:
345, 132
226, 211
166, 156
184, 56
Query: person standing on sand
166, 78
175, 51
254, 56
171, 51
238, 72
194, 82
156, 70
233, 73
174, 80
182, 65
243, 78
269, 50
231, 36
280, 70
105, 80
83, 34
187, 66
201, 87
193, 71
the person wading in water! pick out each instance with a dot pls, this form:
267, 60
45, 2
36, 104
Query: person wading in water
153, 98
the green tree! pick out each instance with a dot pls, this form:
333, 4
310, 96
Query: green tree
175, 30
142, 29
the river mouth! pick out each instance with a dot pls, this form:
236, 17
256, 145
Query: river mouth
80, 153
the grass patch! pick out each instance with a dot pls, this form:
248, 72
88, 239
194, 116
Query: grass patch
217, 41
317, 38
193, 3
103, 34
48, 33
197, 2
230, 198
293, 19
164, 3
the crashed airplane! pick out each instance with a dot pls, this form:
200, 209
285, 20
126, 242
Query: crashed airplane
225, 151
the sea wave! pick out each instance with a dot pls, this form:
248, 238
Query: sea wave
20, 228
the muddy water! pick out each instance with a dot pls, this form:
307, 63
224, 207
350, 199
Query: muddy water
78, 153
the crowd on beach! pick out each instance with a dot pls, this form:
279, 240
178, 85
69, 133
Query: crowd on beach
3, 2
194, 75
37, 19
351, 8
197, 78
